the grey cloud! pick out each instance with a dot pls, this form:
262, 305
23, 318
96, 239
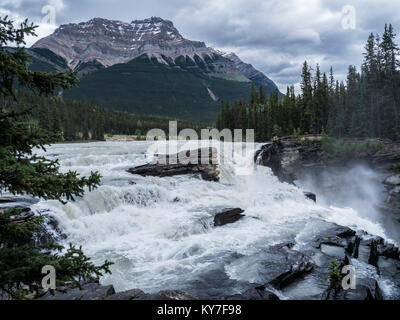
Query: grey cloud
274, 36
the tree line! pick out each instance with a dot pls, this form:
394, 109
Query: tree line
367, 104
78, 120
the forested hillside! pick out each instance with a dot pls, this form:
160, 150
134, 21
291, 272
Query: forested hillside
367, 104
76, 120
146, 86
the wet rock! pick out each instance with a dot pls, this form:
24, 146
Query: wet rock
256, 293
389, 251
282, 157
311, 196
390, 269
297, 266
278, 266
352, 247
134, 294
228, 216
393, 180
214, 283
49, 231
333, 241
366, 289
137, 294
4, 295
200, 161
169, 295
286, 157
90, 290
333, 251
373, 254
16, 201
392, 202
268, 156
335, 235
25, 216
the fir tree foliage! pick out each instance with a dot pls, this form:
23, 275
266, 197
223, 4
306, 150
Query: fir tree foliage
23, 172
367, 104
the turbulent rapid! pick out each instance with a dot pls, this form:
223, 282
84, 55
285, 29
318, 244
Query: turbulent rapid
159, 231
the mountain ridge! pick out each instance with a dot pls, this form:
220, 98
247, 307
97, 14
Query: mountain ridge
108, 42
170, 75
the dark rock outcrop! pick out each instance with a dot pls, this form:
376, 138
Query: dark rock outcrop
200, 161
93, 290
373, 254
256, 293
169, 295
228, 216
335, 235
288, 157
134, 294
310, 195
343, 245
48, 230
286, 265
283, 157
392, 202
90, 290
366, 289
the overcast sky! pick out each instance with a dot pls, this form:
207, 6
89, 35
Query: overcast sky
275, 36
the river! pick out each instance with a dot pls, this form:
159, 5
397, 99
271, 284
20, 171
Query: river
159, 232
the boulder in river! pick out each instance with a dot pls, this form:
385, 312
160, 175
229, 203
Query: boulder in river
200, 161
310, 195
228, 216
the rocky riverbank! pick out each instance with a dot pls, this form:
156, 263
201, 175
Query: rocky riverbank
293, 158
288, 268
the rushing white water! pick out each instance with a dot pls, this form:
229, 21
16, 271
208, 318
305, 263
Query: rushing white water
158, 231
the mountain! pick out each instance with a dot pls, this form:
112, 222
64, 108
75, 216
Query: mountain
250, 72
147, 66
146, 86
44, 60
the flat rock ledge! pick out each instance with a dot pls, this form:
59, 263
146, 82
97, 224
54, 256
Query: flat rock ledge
201, 162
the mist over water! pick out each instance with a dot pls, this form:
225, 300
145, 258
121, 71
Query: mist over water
355, 186
159, 231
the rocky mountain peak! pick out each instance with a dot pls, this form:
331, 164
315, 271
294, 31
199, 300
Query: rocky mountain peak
111, 41
154, 20
151, 29
100, 42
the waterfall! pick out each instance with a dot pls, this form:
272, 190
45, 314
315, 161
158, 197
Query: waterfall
158, 231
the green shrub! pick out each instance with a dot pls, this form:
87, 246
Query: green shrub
342, 149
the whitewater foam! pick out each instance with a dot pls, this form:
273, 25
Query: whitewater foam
159, 232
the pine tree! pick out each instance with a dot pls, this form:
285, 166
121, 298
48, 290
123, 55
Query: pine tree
22, 172
306, 88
